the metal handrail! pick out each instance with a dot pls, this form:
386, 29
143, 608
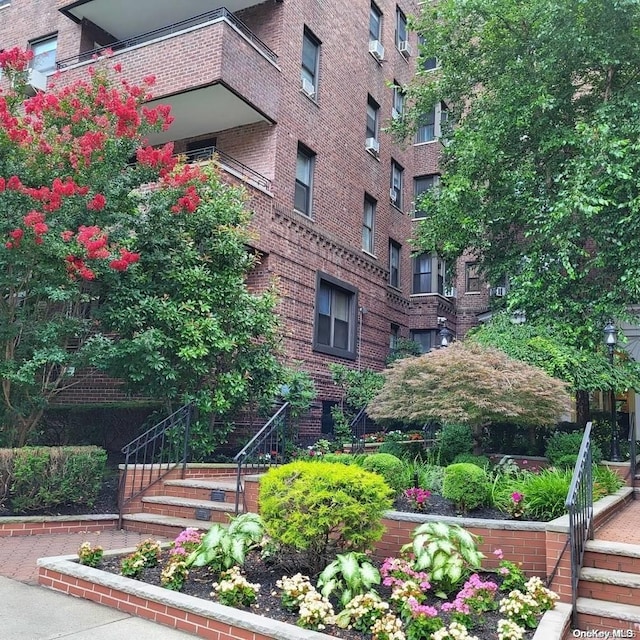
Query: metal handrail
266, 449
151, 456
208, 153
171, 29
358, 428
579, 504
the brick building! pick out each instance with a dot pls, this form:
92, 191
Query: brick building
294, 95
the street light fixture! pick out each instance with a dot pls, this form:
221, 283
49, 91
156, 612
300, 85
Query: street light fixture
446, 336
611, 339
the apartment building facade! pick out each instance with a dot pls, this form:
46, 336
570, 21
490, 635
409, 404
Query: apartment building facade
294, 96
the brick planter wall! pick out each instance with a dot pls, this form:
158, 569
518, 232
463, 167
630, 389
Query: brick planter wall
35, 525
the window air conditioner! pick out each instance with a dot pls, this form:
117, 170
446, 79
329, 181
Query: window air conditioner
308, 88
395, 114
372, 145
500, 292
36, 81
376, 49
450, 292
405, 48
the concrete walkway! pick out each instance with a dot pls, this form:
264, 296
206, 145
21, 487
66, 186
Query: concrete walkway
30, 612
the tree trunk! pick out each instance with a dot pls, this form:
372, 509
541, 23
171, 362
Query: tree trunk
583, 410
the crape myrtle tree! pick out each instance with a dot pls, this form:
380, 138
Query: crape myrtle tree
540, 166
583, 368
137, 268
469, 384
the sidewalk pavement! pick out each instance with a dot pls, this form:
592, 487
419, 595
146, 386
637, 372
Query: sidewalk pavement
31, 612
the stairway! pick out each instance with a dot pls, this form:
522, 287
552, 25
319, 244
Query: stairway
609, 588
196, 502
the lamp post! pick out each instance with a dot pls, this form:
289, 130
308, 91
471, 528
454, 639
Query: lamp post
446, 335
611, 339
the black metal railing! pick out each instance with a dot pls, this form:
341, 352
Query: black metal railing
169, 30
266, 449
633, 452
579, 504
225, 160
358, 428
153, 454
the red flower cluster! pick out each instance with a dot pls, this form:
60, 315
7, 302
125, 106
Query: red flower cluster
126, 258
161, 158
35, 220
76, 268
94, 240
188, 202
16, 59
98, 203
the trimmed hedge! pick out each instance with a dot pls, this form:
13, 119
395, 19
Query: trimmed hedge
44, 477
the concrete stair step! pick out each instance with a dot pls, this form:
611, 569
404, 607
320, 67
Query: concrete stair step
607, 616
204, 510
615, 556
216, 490
612, 586
159, 525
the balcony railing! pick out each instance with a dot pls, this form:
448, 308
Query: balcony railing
171, 30
226, 161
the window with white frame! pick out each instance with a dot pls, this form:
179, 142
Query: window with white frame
394, 264
397, 180
304, 180
373, 116
423, 184
375, 23
398, 101
425, 338
428, 274
430, 125
335, 318
401, 28
310, 63
368, 224
44, 54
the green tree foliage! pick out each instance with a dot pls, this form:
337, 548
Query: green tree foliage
469, 384
539, 174
90, 248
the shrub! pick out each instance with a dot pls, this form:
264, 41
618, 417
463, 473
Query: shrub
466, 484
329, 508
388, 466
562, 449
545, 493
453, 440
480, 461
43, 477
605, 482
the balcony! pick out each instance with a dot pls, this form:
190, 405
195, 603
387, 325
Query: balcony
211, 69
124, 19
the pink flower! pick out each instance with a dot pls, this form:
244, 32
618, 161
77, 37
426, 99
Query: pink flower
498, 554
516, 497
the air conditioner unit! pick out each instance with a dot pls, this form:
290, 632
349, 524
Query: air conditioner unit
405, 48
376, 49
500, 292
451, 292
308, 88
395, 114
36, 81
372, 145
393, 194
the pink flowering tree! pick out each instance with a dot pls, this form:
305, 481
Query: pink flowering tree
89, 248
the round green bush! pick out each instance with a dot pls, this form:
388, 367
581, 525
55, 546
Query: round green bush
562, 449
467, 485
453, 440
323, 508
388, 466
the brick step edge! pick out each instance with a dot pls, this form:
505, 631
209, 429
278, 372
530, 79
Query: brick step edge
197, 483
611, 610
190, 503
607, 576
613, 548
166, 521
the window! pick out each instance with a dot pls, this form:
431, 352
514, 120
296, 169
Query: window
398, 101
430, 128
397, 178
471, 277
368, 224
428, 63
4, 3
304, 180
425, 338
44, 54
373, 111
310, 60
394, 264
401, 27
335, 324
375, 23
394, 336
428, 274
422, 184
